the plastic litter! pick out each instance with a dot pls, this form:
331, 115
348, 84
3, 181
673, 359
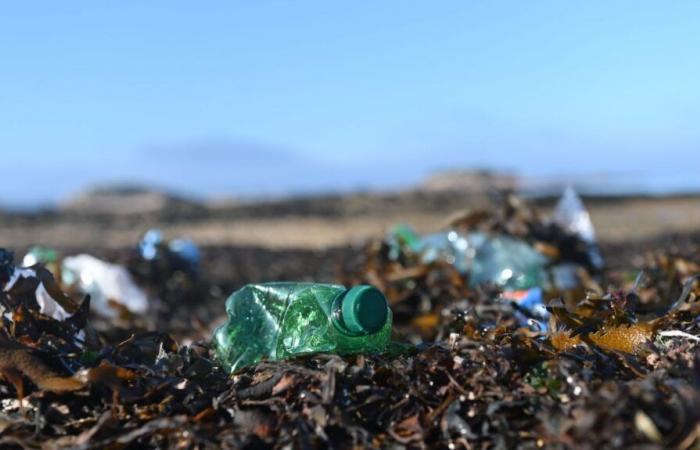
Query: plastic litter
284, 319
13, 276
181, 253
452, 247
33, 288
530, 305
507, 262
500, 260
39, 254
105, 283
403, 238
503, 261
47, 256
572, 215
150, 244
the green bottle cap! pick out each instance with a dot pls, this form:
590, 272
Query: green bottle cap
364, 309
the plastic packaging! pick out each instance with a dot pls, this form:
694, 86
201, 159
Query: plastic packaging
507, 262
182, 253
43, 255
501, 260
284, 319
33, 288
530, 305
105, 283
451, 246
150, 243
39, 254
403, 238
571, 215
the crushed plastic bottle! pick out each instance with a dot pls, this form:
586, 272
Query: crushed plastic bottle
105, 283
501, 260
183, 253
284, 319
450, 246
572, 215
506, 262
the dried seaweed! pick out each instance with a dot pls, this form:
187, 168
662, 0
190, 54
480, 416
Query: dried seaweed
618, 367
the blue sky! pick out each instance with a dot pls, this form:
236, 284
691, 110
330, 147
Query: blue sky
269, 97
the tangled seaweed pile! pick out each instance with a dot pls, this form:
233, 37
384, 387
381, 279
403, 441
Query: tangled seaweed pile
617, 365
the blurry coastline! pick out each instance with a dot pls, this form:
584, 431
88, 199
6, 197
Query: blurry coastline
115, 216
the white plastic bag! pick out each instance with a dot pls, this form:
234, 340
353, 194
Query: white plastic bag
104, 282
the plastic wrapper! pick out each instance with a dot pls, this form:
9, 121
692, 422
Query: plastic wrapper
34, 289
572, 216
109, 285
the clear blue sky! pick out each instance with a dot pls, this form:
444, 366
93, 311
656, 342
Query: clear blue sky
274, 96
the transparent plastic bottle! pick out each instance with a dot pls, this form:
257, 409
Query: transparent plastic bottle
487, 259
507, 262
284, 319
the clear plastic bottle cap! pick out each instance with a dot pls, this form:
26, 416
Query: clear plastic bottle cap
364, 309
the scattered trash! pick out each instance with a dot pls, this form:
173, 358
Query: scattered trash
506, 262
403, 239
486, 367
109, 285
180, 254
44, 294
526, 268
40, 254
530, 306
500, 260
35, 311
281, 320
150, 244
572, 215
451, 247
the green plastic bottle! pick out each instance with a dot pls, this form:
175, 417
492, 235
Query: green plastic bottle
284, 319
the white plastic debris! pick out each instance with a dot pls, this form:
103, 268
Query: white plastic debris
29, 260
47, 305
104, 282
572, 216
18, 273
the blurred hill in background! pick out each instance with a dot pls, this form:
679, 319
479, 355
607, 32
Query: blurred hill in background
116, 216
